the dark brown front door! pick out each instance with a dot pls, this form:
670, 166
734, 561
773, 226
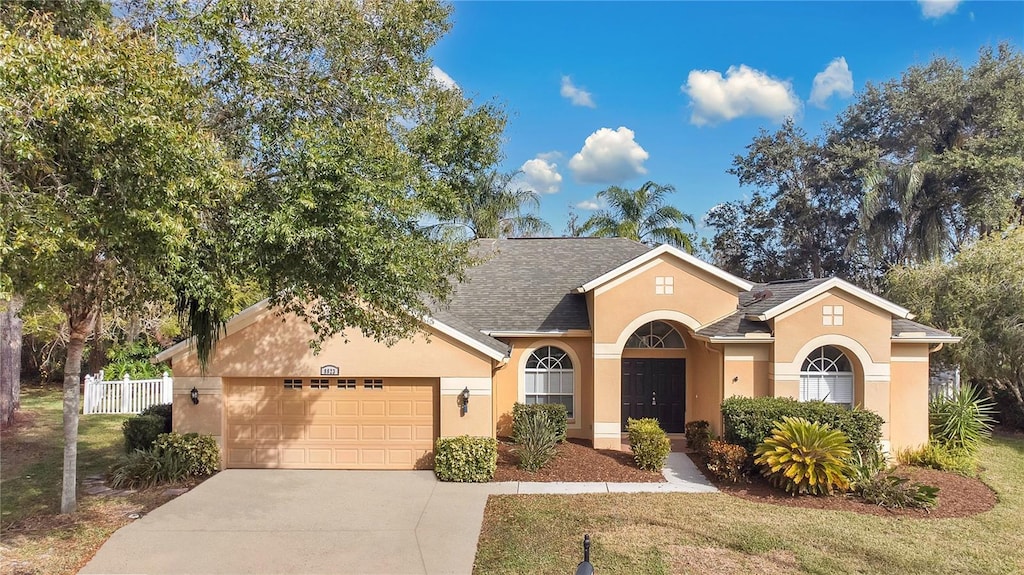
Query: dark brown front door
655, 388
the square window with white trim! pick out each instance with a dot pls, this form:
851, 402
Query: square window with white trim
831, 315
664, 285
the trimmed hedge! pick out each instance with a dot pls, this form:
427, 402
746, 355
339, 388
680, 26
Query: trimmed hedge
649, 443
163, 410
173, 458
198, 455
726, 460
749, 420
465, 458
555, 413
698, 435
141, 431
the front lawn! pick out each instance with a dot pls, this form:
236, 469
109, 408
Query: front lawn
718, 533
34, 538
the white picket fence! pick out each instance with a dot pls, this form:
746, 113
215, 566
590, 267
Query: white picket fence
125, 395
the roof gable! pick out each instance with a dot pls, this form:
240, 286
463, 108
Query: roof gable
765, 304
664, 249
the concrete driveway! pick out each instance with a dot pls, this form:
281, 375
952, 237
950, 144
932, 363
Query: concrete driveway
290, 521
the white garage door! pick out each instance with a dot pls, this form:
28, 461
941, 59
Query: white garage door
331, 423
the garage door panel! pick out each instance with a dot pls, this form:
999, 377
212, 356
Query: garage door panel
382, 426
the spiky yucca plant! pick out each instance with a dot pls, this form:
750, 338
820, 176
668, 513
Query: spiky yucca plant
805, 457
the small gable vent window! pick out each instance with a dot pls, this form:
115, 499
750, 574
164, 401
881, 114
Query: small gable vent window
831, 315
655, 335
293, 384
664, 285
550, 378
827, 375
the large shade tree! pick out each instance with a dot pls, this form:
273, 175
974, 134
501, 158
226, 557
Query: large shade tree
106, 174
641, 215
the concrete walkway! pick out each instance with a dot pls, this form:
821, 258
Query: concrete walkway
292, 521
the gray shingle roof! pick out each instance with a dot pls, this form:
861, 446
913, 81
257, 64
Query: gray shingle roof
451, 320
526, 284
900, 325
775, 293
735, 325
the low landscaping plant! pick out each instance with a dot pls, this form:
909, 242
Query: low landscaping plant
698, 434
536, 440
163, 410
748, 420
172, 458
725, 460
555, 413
865, 467
963, 421
894, 492
938, 456
141, 431
465, 458
198, 455
805, 457
649, 442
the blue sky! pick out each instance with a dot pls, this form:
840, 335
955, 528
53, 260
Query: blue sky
618, 93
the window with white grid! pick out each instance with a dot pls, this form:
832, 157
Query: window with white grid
550, 378
827, 375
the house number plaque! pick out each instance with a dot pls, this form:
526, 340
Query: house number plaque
329, 370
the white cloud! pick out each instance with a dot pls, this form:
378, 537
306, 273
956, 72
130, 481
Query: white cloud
836, 79
550, 156
937, 8
441, 77
609, 157
743, 91
541, 175
578, 96
589, 205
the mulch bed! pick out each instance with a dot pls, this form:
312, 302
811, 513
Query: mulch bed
575, 461
958, 496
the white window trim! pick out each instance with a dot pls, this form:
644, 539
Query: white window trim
835, 377
576, 422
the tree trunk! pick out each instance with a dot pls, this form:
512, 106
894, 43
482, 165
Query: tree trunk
72, 383
10, 359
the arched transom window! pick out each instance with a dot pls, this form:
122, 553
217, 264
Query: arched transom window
656, 334
550, 378
827, 375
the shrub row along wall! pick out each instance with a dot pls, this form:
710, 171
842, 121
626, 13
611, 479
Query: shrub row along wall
749, 420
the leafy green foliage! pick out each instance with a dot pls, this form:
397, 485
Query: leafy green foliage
937, 456
536, 440
698, 434
865, 467
640, 215
498, 209
979, 296
894, 492
164, 410
465, 458
805, 457
649, 443
748, 420
961, 422
726, 460
133, 359
555, 413
141, 431
196, 455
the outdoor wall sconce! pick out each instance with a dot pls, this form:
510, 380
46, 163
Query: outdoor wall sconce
194, 394
464, 401
736, 379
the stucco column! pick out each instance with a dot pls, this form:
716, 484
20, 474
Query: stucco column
207, 416
607, 401
876, 398
477, 418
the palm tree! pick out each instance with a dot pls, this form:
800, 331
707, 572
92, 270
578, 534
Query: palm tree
641, 215
498, 209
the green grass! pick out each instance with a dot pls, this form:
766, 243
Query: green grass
34, 538
718, 533
32, 458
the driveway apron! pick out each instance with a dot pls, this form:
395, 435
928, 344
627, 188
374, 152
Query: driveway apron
293, 521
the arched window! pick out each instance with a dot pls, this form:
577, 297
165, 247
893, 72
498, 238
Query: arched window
550, 378
656, 334
826, 375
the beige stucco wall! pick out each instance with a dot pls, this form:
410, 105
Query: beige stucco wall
206, 417
746, 369
908, 425
509, 381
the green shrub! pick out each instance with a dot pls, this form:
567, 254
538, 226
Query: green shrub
698, 434
726, 460
748, 420
805, 457
937, 456
962, 422
865, 468
161, 410
133, 359
536, 440
465, 458
555, 413
650, 443
896, 492
141, 469
198, 455
141, 431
